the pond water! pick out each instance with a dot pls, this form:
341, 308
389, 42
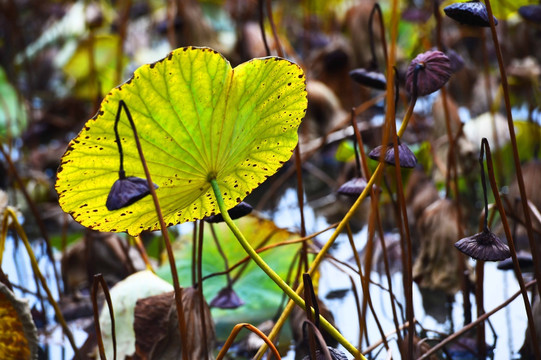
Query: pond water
509, 324
430, 310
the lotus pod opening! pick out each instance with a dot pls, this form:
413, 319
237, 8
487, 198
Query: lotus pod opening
433, 71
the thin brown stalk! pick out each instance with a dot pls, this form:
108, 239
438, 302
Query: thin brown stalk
277, 42
479, 299
194, 253
200, 289
324, 350
403, 223
516, 158
375, 210
311, 301
97, 281
364, 285
261, 4
511, 243
479, 279
222, 254
451, 170
171, 257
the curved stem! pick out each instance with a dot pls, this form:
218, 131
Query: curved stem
374, 61
272, 274
176, 284
121, 172
377, 8
99, 280
484, 185
253, 329
531, 324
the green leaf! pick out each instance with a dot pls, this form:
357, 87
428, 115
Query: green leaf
261, 295
197, 119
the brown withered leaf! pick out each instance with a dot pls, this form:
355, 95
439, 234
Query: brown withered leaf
156, 327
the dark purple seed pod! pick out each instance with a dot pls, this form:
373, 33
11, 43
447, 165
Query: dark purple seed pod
473, 13
126, 191
372, 79
525, 262
406, 157
238, 211
353, 187
433, 71
531, 13
226, 298
484, 246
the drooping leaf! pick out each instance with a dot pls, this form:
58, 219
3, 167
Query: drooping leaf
197, 119
260, 294
18, 334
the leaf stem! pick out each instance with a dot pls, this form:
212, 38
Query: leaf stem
272, 274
